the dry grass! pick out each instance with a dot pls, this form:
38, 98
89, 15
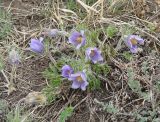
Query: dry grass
115, 100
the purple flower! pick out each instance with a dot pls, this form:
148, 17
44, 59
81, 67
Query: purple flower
67, 71
78, 39
50, 32
132, 41
36, 45
79, 80
14, 57
93, 54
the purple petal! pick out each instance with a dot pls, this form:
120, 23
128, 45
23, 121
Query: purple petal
78, 46
75, 85
139, 39
79, 84
73, 39
50, 32
83, 38
76, 74
83, 41
96, 57
84, 85
128, 41
41, 39
84, 77
88, 51
81, 44
36, 46
67, 71
82, 32
134, 49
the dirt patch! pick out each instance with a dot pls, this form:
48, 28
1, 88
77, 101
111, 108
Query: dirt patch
116, 100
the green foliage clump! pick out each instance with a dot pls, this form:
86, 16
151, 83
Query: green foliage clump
108, 51
3, 106
109, 107
94, 34
101, 69
135, 85
148, 116
94, 82
90, 2
157, 86
127, 30
71, 4
145, 67
16, 116
50, 93
116, 7
81, 26
111, 31
53, 74
5, 24
141, 118
1, 64
128, 56
76, 64
81, 64
151, 27
67, 112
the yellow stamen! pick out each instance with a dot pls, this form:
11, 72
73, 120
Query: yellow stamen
79, 39
68, 72
79, 79
92, 53
134, 41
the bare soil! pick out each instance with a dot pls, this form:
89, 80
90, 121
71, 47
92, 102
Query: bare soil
29, 77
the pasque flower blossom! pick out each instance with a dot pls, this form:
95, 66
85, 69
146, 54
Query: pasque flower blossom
50, 32
54, 32
132, 41
78, 39
67, 71
93, 54
37, 45
79, 80
14, 57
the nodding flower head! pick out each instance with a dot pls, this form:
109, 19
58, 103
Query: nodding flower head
50, 32
67, 71
78, 39
36, 45
14, 57
93, 54
79, 80
35, 98
132, 41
